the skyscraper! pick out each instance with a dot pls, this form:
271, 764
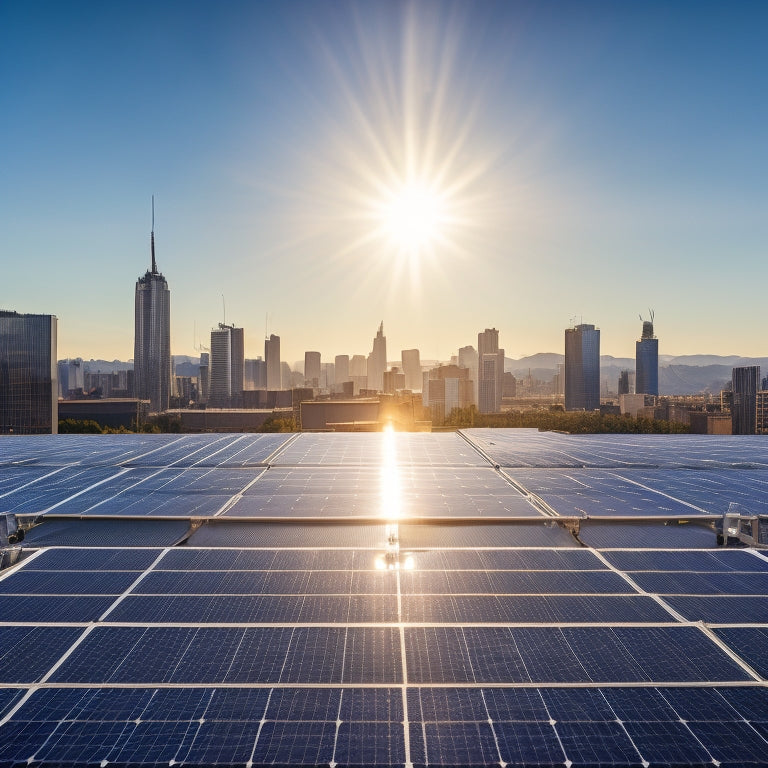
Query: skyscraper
152, 339
582, 368
624, 383
272, 359
412, 369
312, 365
647, 361
342, 368
745, 383
377, 360
29, 389
468, 359
490, 371
227, 367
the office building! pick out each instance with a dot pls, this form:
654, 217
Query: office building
468, 359
625, 384
510, 385
312, 368
647, 361
327, 376
255, 374
745, 384
70, 374
412, 369
152, 338
394, 381
377, 360
29, 388
762, 412
226, 378
272, 359
342, 368
288, 378
582, 368
205, 372
490, 371
445, 388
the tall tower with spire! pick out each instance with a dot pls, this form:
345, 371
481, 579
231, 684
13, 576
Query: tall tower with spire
152, 340
377, 360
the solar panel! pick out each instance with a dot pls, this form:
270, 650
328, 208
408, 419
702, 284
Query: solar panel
151, 641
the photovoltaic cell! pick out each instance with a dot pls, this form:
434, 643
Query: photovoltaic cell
751, 643
93, 559
61, 608
67, 582
709, 562
721, 610
29, 652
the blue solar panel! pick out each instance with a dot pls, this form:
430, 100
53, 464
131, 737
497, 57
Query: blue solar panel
8, 698
528, 743
684, 583
721, 610
667, 743
446, 704
682, 536
731, 742
649, 653
530, 609
67, 582
458, 744
577, 704
518, 704
372, 704
29, 652
597, 743
509, 608
315, 704
93, 559
370, 743
751, 643
62, 608
710, 562
69, 532
750, 703
295, 743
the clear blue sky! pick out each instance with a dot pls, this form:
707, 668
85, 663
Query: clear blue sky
598, 158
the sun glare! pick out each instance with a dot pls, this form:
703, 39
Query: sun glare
414, 216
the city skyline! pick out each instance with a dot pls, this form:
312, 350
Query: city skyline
568, 162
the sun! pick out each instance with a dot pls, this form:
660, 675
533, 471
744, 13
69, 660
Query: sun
413, 216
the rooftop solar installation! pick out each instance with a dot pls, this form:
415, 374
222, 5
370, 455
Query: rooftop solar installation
485, 597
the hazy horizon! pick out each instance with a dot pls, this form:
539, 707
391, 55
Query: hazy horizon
443, 167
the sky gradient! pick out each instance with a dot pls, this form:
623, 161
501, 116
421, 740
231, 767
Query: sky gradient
596, 159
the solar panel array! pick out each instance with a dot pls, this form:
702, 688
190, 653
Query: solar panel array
383, 599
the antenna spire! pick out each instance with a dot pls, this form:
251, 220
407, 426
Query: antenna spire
152, 238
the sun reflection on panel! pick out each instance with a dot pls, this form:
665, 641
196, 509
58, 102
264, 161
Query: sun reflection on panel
391, 506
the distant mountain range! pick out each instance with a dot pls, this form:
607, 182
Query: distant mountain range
678, 375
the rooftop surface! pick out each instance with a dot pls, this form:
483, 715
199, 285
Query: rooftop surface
485, 597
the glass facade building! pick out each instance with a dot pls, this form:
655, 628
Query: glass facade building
647, 362
152, 340
29, 387
490, 371
745, 381
582, 368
